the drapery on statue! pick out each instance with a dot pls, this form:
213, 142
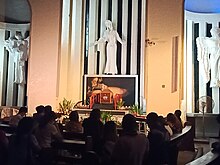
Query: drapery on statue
111, 37
18, 47
209, 57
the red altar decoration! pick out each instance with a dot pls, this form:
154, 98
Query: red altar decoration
104, 97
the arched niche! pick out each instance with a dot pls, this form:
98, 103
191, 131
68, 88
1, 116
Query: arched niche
14, 19
199, 18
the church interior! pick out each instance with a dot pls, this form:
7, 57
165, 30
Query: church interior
67, 46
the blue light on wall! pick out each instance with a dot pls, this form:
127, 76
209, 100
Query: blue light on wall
203, 6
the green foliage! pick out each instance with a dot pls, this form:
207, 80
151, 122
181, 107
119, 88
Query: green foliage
118, 123
120, 103
65, 107
106, 116
136, 109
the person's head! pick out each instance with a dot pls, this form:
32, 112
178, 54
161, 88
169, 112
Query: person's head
108, 24
25, 126
22, 111
95, 114
47, 109
152, 119
215, 31
162, 120
171, 118
74, 116
129, 123
48, 118
178, 113
18, 35
110, 132
40, 109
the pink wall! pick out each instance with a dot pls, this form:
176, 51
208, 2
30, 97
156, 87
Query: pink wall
164, 21
44, 52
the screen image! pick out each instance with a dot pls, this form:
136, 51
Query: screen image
125, 85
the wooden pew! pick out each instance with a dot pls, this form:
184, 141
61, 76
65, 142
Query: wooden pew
73, 135
7, 128
210, 158
72, 151
175, 142
179, 136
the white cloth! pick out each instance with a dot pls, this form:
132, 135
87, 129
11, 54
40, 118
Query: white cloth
203, 58
208, 57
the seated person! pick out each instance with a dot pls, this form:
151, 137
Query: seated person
178, 114
40, 113
158, 137
23, 146
48, 130
3, 147
74, 125
174, 123
14, 120
48, 109
93, 126
164, 123
110, 137
132, 147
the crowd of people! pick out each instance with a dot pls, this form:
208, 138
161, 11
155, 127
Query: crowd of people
31, 143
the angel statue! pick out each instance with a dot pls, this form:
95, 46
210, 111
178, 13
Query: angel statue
209, 56
18, 47
111, 37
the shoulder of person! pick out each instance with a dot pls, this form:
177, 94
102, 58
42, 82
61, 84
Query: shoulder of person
51, 126
142, 135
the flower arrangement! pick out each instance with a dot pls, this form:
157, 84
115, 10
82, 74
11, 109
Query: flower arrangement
65, 106
106, 116
136, 109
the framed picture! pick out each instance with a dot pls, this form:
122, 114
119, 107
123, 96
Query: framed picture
123, 85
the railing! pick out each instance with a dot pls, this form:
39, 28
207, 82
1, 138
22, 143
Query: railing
212, 157
179, 136
175, 143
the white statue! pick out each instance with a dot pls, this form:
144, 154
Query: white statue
18, 47
111, 37
209, 56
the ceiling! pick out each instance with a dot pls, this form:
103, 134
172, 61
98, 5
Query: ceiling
15, 11
203, 6
18, 11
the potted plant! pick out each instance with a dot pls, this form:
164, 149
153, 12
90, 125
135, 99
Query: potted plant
65, 106
135, 109
106, 116
120, 104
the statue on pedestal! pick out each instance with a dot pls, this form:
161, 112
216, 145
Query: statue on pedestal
111, 37
18, 47
209, 57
